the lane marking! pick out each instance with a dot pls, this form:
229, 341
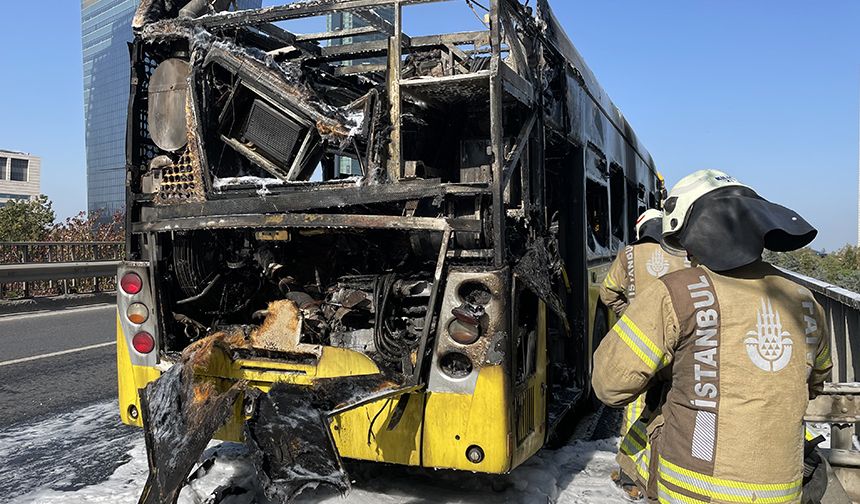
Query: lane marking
56, 354
66, 311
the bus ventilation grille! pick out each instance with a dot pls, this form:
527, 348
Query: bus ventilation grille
180, 182
525, 413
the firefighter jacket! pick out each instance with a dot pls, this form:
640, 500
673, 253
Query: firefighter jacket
635, 267
746, 350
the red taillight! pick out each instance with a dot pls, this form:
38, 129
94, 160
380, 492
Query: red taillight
143, 342
131, 283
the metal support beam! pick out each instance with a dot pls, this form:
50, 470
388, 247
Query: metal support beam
497, 134
295, 10
359, 69
515, 46
329, 35
516, 154
380, 47
431, 308
381, 24
395, 71
287, 38
319, 221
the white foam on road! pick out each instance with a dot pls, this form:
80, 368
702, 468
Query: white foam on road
66, 451
575, 474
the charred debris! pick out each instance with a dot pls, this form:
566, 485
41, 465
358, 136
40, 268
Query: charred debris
262, 247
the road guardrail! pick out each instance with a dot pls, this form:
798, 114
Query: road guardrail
842, 308
51, 268
45, 272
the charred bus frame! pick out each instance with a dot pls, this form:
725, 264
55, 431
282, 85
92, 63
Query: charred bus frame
537, 200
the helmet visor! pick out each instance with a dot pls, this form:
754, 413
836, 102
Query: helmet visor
730, 227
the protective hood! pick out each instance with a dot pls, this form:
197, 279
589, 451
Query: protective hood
730, 227
650, 231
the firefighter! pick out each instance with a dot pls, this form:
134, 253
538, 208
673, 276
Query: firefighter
746, 348
639, 263
635, 268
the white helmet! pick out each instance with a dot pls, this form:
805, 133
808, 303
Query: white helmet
684, 194
645, 217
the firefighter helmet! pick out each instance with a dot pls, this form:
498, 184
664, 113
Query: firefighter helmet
648, 226
684, 194
725, 224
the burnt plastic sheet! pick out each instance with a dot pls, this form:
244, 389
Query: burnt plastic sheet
537, 269
291, 444
289, 432
180, 416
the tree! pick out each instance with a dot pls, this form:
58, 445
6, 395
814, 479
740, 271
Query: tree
840, 268
88, 227
26, 220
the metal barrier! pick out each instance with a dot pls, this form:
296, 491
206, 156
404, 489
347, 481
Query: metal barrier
45, 272
842, 308
839, 405
48, 268
55, 252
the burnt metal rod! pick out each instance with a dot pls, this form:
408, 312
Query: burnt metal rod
395, 70
497, 134
431, 307
522, 141
274, 221
351, 32
293, 10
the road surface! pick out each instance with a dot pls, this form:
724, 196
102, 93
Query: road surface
61, 440
59, 425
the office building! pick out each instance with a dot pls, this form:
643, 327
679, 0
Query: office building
106, 32
20, 176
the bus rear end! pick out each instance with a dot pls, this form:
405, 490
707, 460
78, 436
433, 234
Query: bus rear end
353, 250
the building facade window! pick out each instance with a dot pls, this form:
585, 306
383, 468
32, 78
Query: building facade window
2, 168
18, 169
14, 196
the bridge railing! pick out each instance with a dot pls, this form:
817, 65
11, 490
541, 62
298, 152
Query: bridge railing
30, 269
842, 308
839, 405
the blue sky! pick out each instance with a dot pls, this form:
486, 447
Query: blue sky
766, 90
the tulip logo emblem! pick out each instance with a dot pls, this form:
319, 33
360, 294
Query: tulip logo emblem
769, 346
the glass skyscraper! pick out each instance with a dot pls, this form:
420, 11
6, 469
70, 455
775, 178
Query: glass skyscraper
106, 32
346, 21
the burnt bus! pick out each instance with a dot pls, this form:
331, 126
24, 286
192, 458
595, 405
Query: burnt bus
458, 266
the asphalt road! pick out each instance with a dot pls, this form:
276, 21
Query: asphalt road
52, 384
59, 423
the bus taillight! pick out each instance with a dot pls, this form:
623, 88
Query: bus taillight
137, 313
143, 342
131, 283
464, 333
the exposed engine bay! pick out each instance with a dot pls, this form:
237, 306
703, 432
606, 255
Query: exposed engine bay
367, 292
